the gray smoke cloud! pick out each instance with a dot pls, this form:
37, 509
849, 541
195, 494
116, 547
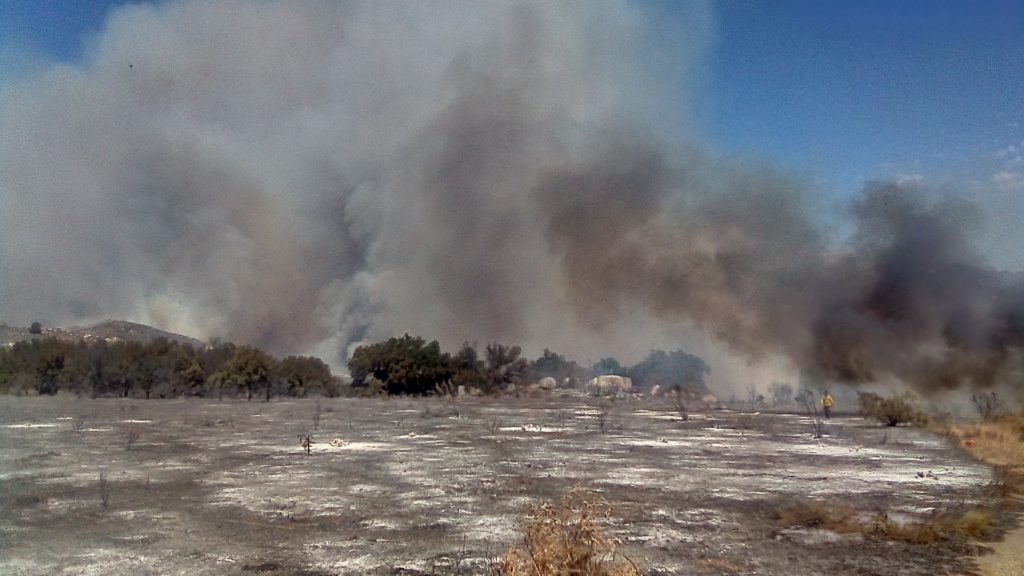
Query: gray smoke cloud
306, 176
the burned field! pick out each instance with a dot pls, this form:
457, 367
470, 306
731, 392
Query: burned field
409, 486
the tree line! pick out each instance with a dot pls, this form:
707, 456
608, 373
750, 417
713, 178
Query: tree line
411, 365
161, 368
406, 365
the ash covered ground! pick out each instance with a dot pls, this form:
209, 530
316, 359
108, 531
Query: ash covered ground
410, 486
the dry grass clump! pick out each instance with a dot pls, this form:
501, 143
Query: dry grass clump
975, 523
814, 514
131, 433
911, 532
566, 539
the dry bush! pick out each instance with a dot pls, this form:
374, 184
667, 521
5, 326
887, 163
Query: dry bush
132, 432
988, 405
104, 490
306, 441
910, 532
975, 523
892, 410
78, 423
566, 539
814, 514
1006, 481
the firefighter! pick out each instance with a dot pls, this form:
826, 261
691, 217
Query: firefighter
826, 404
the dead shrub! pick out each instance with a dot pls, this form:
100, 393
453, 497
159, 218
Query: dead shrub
892, 410
104, 490
910, 532
306, 441
797, 513
33, 498
988, 405
975, 523
78, 423
131, 433
1006, 481
679, 402
566, 539
815, 514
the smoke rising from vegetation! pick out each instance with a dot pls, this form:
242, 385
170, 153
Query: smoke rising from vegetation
305, 176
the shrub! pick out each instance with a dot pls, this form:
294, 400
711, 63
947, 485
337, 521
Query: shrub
406, 365
814, 514
988, 405
132, 432
306, 441
104, 490
975, 523
910, 532
567, 539
892, 410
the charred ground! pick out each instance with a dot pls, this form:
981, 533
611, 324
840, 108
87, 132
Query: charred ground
413, 486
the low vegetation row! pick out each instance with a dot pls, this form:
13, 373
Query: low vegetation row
161, 368
406, 365
411, 365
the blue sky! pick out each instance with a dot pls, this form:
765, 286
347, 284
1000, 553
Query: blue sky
850, 91
839, 91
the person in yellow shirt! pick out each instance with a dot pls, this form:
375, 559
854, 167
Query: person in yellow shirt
826, 404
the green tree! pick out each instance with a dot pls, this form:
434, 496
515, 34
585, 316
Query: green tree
504, 366
405, 365
674, 370
608, 366
50, 366
468, 370
553, 365
251, 369
302, 374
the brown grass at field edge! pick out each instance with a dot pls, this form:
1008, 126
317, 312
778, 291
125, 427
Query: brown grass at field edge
998, 442
805, 513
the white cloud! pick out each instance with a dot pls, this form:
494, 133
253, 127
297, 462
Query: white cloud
1007, 180
909, 178
1010, 157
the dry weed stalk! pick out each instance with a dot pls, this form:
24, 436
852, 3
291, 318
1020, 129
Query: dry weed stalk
566, 539
132, 432
306, 441
104, 490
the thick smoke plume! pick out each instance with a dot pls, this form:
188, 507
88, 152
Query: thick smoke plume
308, 175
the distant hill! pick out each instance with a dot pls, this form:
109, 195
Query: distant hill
110, 330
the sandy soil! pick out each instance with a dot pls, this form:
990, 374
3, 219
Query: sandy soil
1007, 558
397, 486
